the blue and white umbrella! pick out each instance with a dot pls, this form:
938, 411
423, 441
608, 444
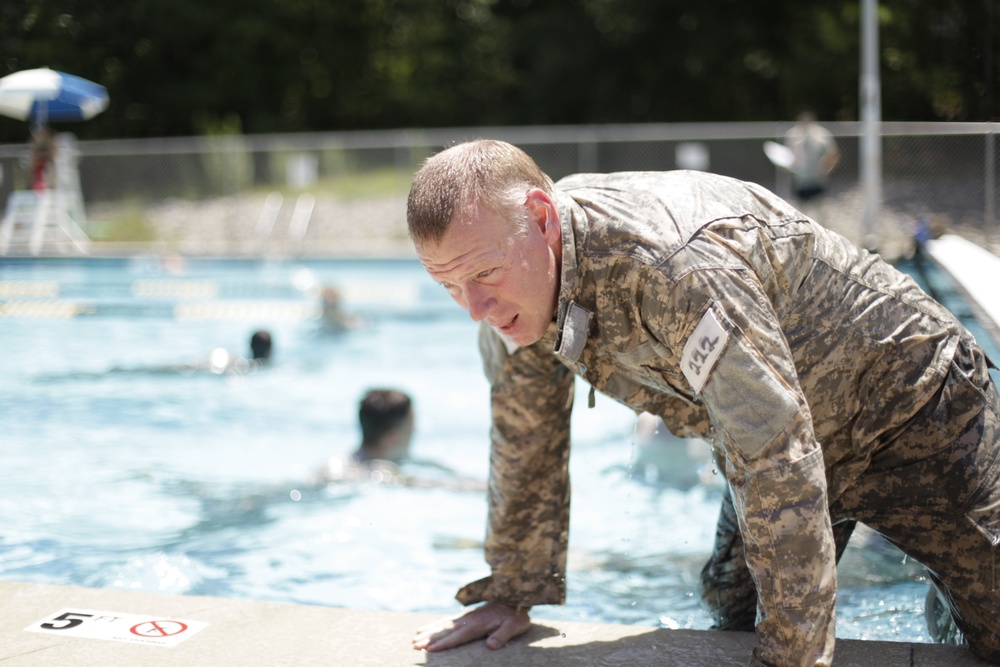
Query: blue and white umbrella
42, 95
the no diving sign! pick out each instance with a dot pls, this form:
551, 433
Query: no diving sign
114, 626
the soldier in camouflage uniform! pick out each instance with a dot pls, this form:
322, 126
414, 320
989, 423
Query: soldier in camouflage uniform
834, 389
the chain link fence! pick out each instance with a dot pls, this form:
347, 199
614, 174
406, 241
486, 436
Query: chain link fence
344, 193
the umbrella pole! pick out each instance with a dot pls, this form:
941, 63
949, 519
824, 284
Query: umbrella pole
39, 120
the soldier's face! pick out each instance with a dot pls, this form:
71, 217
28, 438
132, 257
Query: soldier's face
500, 271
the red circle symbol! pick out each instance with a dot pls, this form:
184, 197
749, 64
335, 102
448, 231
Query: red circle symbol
158, 628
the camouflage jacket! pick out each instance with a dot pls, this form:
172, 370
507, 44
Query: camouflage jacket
715, 305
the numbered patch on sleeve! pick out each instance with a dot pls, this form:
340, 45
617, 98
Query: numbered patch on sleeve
703, 349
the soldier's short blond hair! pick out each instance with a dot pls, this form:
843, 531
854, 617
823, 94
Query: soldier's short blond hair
462, 178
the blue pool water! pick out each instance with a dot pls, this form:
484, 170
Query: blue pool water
120, 474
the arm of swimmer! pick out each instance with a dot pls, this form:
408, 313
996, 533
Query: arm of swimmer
497, 622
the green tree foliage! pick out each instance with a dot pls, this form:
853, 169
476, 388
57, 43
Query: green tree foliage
940, 60
176, 67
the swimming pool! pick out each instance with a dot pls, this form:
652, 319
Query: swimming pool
121, 471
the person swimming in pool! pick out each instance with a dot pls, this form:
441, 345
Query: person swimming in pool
333, 318
387, 421
387, 425
219, 362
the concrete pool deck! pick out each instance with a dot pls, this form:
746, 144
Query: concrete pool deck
225, 631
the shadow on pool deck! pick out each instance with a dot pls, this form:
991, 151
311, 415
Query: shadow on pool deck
241, 632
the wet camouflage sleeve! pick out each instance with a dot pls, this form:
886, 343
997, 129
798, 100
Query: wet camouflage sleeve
822, 343
528, 527
773, 463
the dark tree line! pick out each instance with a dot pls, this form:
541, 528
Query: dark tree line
184, 67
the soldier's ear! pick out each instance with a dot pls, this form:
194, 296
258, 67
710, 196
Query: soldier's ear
544, 214
542, 211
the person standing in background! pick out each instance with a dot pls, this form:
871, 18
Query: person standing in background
814, 156
43, 150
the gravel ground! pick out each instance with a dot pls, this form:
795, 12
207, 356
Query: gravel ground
237, 227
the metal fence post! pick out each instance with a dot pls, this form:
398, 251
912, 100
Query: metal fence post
871, 117
990, 204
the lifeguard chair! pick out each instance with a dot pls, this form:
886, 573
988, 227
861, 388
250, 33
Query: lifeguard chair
49, 218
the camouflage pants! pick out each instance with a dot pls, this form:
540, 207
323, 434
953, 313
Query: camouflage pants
938, 501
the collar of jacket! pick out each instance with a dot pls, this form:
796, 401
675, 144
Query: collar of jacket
573, 320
